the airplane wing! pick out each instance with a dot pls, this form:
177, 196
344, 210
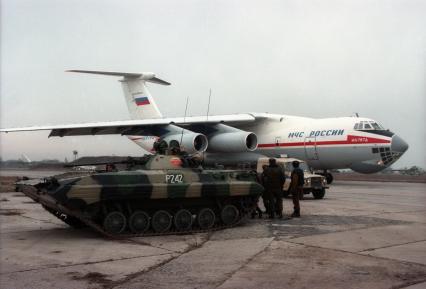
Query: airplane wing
134, 127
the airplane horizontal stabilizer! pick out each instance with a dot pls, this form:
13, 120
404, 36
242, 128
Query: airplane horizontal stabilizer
148, 76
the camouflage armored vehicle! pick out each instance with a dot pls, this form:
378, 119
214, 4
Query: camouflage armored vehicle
155, 195
315, 184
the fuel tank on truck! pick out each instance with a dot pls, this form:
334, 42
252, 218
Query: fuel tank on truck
156, 194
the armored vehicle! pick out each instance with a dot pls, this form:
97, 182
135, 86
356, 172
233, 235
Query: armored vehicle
315, 184
157, 194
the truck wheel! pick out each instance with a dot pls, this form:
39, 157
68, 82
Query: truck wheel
319, 194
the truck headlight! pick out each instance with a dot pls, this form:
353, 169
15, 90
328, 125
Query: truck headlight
307, 182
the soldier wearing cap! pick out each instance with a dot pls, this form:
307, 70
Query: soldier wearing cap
296, 187
274, 179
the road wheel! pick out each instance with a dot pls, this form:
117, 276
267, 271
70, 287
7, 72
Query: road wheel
183, 220
229, 214
115, 223
319, 194
161, 221
206, 218
139, 222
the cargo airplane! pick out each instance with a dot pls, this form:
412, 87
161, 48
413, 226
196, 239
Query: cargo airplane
358, 143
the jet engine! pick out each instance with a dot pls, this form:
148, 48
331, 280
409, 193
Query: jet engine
189, 142
231, 140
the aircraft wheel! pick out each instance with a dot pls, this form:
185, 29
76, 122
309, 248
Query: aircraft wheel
206, 218
115, 223
161, 221
183, 220
229, 214
139, 222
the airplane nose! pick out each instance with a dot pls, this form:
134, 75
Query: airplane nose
398, 144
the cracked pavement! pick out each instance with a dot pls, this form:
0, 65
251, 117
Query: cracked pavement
361, 235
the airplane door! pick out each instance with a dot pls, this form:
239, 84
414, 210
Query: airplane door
311, 148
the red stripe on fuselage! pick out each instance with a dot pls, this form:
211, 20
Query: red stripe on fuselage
350, 140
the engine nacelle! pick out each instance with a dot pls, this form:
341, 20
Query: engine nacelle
231, 140
189, 141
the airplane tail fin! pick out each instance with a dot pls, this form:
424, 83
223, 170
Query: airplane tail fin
139, 101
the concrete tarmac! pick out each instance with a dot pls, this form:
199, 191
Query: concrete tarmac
361, 235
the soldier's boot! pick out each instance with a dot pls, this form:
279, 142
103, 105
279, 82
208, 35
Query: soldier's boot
296, 213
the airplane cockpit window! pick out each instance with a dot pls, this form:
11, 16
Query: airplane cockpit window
375, 125
368, 125
379, 126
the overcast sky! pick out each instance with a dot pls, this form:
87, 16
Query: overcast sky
310, 58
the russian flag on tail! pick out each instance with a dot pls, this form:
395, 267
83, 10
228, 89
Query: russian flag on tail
141, 100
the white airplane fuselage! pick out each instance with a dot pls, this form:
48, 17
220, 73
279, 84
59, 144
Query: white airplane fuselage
330, 143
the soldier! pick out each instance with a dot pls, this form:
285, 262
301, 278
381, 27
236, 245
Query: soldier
257, 210
296, 187
274, 180
160, 147
262, 181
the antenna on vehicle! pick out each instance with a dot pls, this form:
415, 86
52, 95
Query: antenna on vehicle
184, 119
208, 105
208, 110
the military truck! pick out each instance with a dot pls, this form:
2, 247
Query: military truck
315, 184
157, 194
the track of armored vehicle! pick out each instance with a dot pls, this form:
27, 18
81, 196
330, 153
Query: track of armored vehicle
157, 197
